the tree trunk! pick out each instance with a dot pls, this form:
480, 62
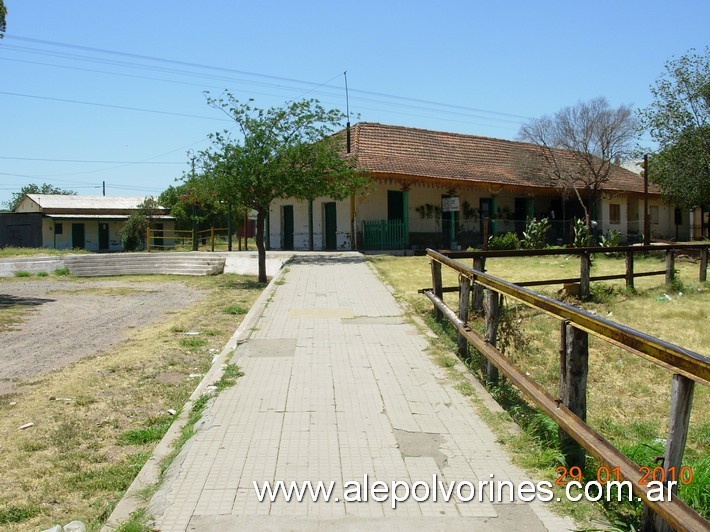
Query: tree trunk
260, 219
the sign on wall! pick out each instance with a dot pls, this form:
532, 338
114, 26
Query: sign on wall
450, 204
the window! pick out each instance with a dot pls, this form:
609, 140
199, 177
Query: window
614, 213
58, 229
653, 213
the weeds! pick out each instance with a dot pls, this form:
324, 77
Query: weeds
237, 310
153, 432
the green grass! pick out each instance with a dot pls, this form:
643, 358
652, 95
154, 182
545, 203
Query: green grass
17, 514
628, 397
193, 343
237, 310
153, 432
22, 273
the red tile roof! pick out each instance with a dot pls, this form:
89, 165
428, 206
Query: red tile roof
419, 155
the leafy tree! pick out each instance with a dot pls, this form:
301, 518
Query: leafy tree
580, 145
285, 151
44, 188
3, 14
134, 229
180, 199
679, 121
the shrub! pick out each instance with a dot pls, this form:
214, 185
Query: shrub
612, 239
504, 241
133, 232
582, 235
22, 273
535, 234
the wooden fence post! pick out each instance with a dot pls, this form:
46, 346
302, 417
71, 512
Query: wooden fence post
212, 238
703, 276
437, 286
479, 264
486, 222
147, 239
491, 313
464, 302
630, 269
670, 266
574, 365
585, 268
681, 404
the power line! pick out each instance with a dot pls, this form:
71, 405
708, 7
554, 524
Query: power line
122, 107
265, 76
87, 161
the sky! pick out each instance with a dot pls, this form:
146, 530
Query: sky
113, 92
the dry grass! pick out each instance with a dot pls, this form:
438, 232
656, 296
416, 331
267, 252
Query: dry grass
628, 397
10, 252
96, 421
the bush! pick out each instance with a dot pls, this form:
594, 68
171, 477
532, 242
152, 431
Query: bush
535, 234
505, 241
612, 239
133, 232
582, 235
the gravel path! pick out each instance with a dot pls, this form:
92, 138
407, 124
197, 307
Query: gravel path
71, 320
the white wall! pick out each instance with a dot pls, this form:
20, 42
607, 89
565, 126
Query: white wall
300, 223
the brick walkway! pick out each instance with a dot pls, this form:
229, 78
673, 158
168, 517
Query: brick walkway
337, 385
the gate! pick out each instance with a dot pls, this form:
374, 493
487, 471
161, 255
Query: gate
384, 234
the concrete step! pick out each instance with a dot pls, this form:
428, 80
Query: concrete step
145, 263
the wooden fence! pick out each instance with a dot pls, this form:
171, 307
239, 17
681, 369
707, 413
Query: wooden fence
207, 240
569, 409
585, 254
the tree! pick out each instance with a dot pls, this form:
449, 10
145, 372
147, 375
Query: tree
580, 145
284, 152
678, 119
44, 188
135, 228
3, 14
180, 199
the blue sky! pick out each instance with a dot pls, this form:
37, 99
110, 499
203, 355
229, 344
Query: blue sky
74, 115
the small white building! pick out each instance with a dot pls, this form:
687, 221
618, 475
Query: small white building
59, 221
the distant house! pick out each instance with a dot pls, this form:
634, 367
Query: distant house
419, 175
73, 222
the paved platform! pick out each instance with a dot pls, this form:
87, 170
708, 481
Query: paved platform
337, 386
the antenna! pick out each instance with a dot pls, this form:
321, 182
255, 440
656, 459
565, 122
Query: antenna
347, 106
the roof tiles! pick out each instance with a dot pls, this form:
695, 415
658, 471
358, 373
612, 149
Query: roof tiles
423, 155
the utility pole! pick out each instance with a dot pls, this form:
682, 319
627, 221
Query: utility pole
104, 187
194, 209
646, 219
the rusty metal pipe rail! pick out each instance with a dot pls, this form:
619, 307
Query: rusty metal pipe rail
670, 356
675, 512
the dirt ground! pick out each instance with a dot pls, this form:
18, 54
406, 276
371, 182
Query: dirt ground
70, 320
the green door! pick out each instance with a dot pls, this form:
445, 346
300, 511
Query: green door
77, 236
331, 226
287, 227
103, 237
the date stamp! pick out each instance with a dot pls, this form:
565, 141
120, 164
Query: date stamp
683, 475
